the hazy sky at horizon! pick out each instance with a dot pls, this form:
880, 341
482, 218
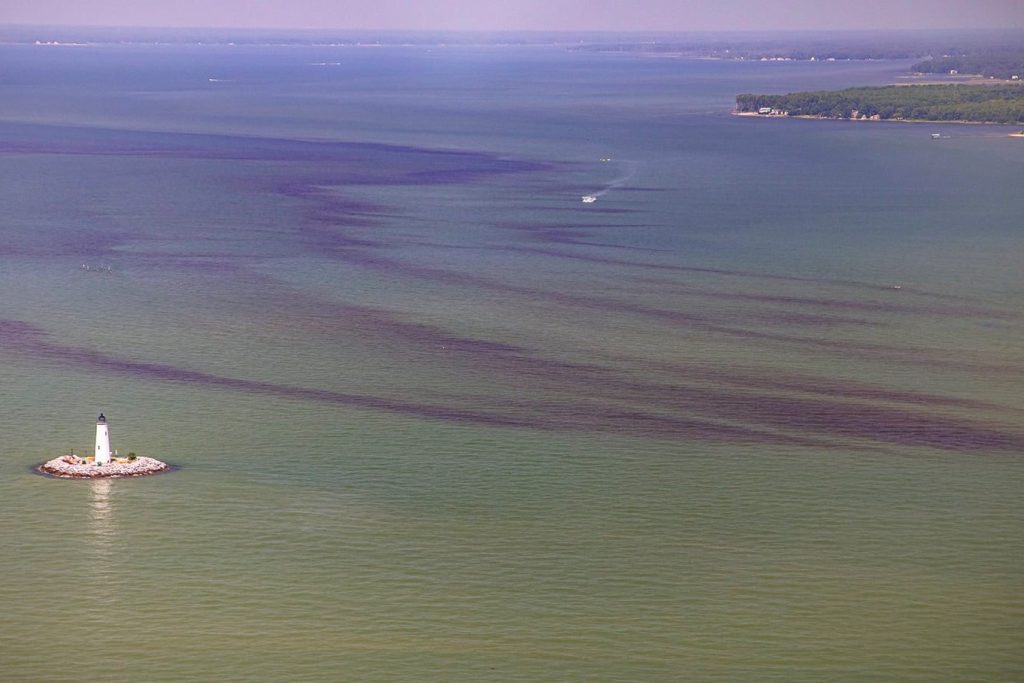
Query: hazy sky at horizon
668, 15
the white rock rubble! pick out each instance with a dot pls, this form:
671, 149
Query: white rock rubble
74, 467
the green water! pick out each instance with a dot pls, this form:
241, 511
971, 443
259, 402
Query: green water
753, 415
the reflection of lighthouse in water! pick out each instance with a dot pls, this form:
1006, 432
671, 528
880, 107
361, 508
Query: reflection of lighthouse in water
102, 441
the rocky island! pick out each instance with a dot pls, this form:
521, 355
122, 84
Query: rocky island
102, 465
75, 467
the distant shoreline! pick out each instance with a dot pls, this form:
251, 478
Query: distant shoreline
960, 103
810, 117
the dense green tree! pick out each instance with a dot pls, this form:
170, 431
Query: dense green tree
998, 62
983, 103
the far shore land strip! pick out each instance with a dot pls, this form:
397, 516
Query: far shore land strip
810, 117
978, 104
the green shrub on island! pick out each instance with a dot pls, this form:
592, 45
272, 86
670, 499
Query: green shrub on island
132, 456
976, 103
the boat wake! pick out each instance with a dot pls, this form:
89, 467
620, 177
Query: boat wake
629, 170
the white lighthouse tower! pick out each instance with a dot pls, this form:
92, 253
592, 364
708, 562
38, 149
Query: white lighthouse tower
102, 441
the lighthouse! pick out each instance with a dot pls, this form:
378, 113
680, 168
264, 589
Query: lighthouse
102, 441
103, 465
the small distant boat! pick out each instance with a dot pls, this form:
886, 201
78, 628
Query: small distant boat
936, 136
588, 199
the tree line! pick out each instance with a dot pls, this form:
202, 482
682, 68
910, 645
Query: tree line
978, 103
1002, 63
